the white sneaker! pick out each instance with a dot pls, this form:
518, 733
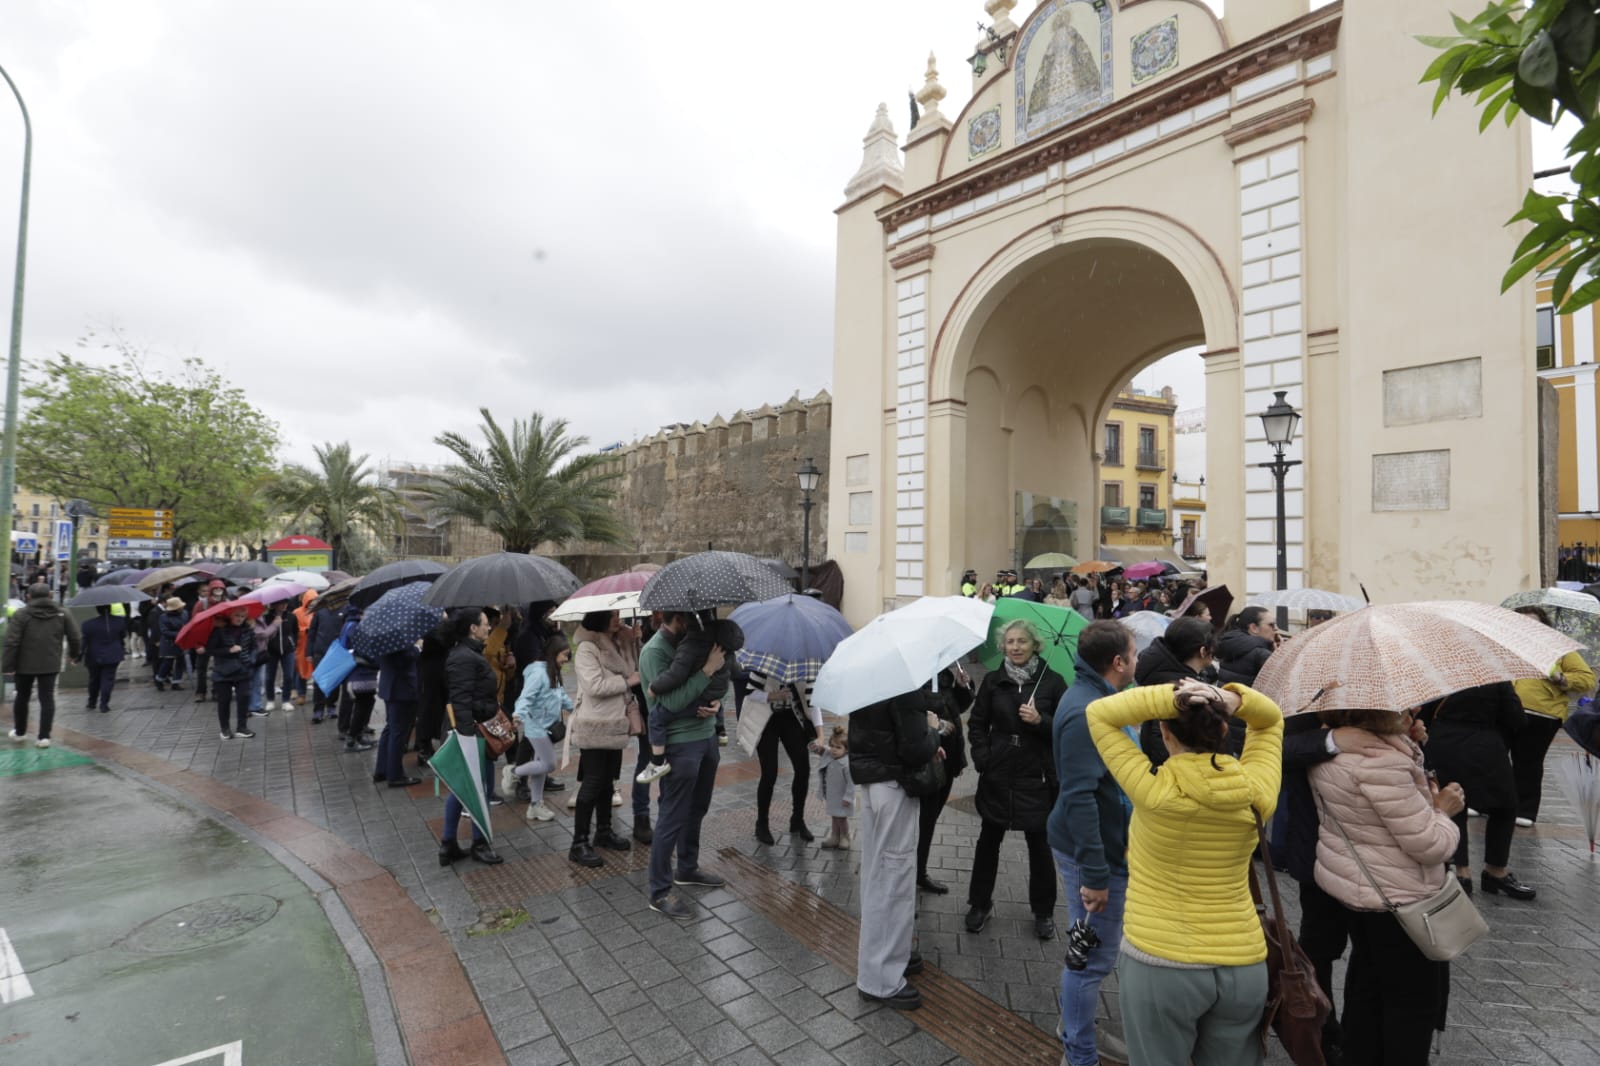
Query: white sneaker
225, 736
44, 742
572, 800
18, 738
1526, 823
508, 779
616, 798
1472, 813
538, 812
653, 771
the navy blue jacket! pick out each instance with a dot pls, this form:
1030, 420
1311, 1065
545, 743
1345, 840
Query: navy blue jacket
325, 626
1305, 744
1090, 819
168, 625
102, 639
397, 677
232, 665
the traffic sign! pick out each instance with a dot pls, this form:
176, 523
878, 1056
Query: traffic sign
138, 542
63, 540
138, 513
138, 553
135, 529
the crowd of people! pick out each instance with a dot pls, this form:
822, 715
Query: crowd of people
1141, 788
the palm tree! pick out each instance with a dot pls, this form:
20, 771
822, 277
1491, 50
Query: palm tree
341, 496
528, 487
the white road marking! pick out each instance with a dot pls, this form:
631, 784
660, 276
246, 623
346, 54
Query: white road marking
232, 1055
14, 984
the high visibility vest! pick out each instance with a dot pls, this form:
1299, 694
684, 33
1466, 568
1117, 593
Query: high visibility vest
968, 589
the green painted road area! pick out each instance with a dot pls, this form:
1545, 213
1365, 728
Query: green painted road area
138, 933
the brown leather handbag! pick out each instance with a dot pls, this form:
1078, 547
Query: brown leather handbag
1296, 1005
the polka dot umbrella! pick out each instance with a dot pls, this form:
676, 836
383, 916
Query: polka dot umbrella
398, 618
712, 579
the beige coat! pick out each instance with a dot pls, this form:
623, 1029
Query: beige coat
1384, 805
601, 718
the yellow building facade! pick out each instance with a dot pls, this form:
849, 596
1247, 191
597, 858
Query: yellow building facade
1565, 356
1135, 470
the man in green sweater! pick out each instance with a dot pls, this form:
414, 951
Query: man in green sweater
693, 754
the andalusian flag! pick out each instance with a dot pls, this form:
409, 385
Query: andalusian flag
459, 765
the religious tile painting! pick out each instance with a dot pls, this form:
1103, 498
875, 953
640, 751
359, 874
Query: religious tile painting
1155, 51
1063, 69
983, 132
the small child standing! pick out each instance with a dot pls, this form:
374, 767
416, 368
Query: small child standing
691, 655
838, 791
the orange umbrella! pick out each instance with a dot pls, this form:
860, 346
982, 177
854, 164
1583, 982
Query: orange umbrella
1096, 566
1399, 655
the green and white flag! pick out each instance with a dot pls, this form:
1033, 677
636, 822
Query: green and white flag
459, 765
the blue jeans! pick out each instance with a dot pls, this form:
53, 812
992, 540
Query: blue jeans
1080, 989
685, 798
453, 812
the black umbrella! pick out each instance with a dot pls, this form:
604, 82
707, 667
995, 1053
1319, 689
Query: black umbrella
712, 579
782, 569
104, 595
504, 577
335, 596
120, 577
393, 576
248, 570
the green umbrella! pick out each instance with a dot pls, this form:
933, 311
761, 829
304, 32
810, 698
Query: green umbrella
1058, 631
459, 765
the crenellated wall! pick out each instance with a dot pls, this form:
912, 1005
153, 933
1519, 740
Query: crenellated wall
729, 483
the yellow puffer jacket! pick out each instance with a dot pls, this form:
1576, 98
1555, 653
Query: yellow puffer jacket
1543, 696
1192, 833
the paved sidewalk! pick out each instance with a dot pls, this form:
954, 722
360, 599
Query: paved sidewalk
594, 977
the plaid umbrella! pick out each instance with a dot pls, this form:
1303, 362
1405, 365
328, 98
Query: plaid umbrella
1398, 655
789, 638
712, 579
399, 618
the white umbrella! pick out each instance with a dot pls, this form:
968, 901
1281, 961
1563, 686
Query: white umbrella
900, 651
574, 609
305, 579
1146, 626
1580, 780
1308, 600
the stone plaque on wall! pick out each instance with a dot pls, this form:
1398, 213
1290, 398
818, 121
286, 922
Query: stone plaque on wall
1438, 392
1411, 481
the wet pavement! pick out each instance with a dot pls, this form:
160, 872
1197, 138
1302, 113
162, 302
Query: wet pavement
765, 973
146, 932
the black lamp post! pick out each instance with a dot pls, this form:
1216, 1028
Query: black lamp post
1280, 421
809, 477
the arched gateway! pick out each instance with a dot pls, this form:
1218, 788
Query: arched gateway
1134, 177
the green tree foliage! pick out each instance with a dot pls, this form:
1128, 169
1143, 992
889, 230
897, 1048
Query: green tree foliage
342, 496
529, 487
128, 435
1540, 58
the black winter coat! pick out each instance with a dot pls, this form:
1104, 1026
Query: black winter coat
1240, 657
1469, 743
1159, 666
1015, 762
953, 701
891, 739
471, 684
232, 665
1305, 744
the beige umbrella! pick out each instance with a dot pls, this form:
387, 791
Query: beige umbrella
1400, 655
156, 578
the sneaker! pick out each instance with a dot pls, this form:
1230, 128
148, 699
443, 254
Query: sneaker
673, 906
653, 771
699, 877
977, 918
261, 712
616, 797
1473, 814
225, 736
722, 740
908, 998
42, 742
269, 705
18, 738
538, 812
572, 801
508, 778
357, 745
245, 733
496, 801
1525, 823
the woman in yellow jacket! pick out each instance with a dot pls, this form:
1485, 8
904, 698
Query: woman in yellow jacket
1544, 702
1193, 973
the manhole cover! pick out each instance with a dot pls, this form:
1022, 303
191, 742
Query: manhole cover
202, 924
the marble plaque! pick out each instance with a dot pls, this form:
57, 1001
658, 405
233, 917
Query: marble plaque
1411, 481
1438, 392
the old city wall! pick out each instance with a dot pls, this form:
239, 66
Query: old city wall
728, 484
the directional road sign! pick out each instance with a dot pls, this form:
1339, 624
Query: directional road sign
138, 553
139, 542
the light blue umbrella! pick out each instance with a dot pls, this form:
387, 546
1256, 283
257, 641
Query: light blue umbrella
789, 638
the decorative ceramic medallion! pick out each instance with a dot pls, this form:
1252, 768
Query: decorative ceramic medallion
1155, 51
983, 132
1063, 69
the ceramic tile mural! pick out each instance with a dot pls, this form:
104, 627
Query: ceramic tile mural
1063, 68
1155, 51
983, 132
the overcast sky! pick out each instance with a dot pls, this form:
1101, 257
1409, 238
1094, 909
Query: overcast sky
378, 217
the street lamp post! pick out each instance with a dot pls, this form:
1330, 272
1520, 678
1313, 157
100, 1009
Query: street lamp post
8, 450
1280, 421
809, 477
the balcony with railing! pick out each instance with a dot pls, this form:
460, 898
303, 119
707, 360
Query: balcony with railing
1152, 459
1152, 518
1114, 516
1113, 457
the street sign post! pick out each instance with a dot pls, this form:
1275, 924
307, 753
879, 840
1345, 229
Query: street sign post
140, 533
63, 540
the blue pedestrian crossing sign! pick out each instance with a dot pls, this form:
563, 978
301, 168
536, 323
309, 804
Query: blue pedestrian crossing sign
63, 540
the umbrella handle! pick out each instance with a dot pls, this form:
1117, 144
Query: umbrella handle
450, 712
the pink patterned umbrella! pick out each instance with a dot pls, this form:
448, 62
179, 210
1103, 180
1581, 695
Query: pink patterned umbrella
616, 583
1398, 655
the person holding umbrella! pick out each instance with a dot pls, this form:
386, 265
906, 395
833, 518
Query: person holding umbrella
103, 651
601, 728
215, 593
471, 686
1008, 734
231, 650
1545, 703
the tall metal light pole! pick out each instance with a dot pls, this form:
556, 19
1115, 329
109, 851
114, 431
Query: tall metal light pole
8, 450
1280, 421
809, 477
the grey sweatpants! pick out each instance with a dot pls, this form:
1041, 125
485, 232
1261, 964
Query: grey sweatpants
888, 835
1209, 1017
537, 769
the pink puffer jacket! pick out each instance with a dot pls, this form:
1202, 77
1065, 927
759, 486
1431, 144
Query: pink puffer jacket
1383, 803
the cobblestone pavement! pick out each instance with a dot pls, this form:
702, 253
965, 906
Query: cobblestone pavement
594, 977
